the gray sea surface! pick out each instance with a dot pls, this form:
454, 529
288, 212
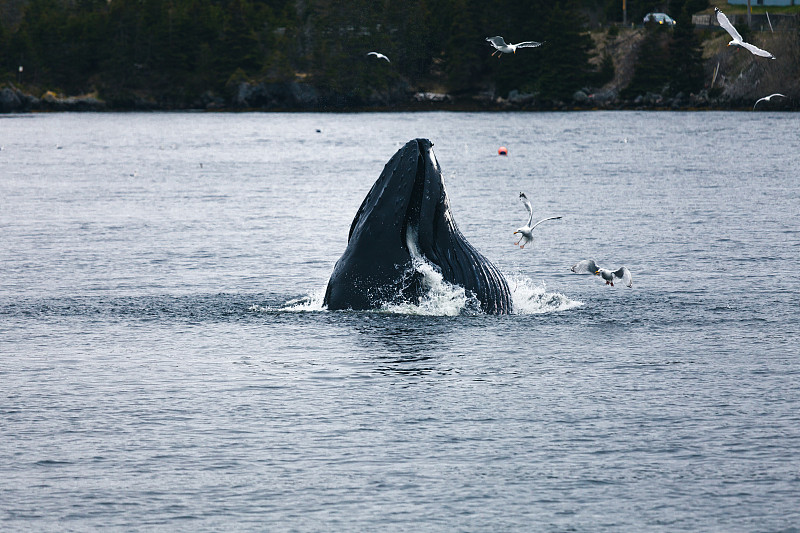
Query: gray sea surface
166, 363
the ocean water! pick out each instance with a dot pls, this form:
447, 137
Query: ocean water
166, 362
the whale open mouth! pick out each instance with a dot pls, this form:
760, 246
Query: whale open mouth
403, 222
412, 218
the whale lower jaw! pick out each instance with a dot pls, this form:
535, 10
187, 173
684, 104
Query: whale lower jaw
461, 264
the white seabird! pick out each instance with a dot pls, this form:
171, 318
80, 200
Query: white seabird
589, 266
379, 56
526, 231
737, 39
767, 98
501, 47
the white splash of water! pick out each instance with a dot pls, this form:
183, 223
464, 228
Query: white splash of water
309, 303
531, 298
441, 298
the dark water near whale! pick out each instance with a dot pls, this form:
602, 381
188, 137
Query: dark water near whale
165, 363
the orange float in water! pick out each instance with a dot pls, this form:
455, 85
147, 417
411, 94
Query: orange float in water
502, 151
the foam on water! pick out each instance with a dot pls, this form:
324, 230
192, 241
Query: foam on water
447, 299
309, 303
531, 298
441, 299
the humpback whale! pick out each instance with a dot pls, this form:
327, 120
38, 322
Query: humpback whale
404, 218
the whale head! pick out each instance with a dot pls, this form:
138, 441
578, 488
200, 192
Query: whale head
405, 217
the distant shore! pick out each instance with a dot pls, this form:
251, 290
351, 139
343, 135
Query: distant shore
14, 100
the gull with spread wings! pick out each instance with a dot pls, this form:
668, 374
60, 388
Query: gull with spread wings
737, 38
588, 266
767, 99
502, 48
526, 231
379, 56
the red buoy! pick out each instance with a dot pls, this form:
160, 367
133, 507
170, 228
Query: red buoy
502, 151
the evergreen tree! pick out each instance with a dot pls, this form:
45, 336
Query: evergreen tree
5, 58
463, 50
606, 71
691, 7
343, 34
652, 68
519, 21
636, 10
238, 47
564, 61
686, 58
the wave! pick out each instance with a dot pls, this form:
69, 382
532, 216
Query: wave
304, 304
447, 299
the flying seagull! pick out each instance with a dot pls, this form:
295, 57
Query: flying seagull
379, 56
526, 231
737, 39
502, 48
767, 98
589, 266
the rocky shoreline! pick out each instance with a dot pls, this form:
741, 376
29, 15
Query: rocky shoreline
305, 97
13, 100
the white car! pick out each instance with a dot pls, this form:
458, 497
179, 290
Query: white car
661, 18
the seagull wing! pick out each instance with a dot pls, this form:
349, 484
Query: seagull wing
497, 41
625, 275
528, 44
544, 219
379, 56
528, 207
767, 98
587, 265
757, 51
725, 23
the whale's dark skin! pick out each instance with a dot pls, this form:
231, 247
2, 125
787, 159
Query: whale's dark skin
408, 206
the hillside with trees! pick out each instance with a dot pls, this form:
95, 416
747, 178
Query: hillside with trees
311, 54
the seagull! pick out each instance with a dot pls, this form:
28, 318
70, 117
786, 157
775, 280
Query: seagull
379, 56
737, 39
502, 48
588, 265
527, 229
767, 98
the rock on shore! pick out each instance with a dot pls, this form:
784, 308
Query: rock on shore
12, 100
